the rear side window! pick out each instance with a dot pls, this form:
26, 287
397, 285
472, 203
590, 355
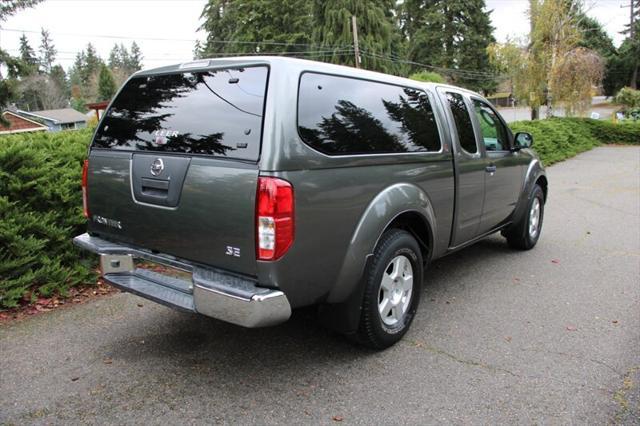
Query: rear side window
463, 122
346, 116
216, 112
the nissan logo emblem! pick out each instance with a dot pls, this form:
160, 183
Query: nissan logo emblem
157, 166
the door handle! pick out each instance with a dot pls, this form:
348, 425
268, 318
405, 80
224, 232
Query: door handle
491, 169
155, 187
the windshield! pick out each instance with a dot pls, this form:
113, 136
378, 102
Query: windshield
215, 112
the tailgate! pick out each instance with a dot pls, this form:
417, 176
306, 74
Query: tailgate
173, 166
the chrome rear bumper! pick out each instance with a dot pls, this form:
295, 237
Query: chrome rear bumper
213, 293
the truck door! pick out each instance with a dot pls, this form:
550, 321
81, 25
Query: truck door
469, 164
503, 168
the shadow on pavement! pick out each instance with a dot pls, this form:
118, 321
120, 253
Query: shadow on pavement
193, 339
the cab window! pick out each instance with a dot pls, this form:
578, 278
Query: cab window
462, 120
494, 133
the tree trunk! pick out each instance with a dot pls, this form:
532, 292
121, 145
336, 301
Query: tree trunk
535, 113
634, 78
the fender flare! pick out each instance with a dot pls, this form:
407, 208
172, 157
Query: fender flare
386, 206
534, 172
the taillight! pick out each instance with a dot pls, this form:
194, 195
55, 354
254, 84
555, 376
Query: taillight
85, 172
274, 218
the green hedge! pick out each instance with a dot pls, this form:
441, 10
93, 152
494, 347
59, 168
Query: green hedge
557, 139
40, 211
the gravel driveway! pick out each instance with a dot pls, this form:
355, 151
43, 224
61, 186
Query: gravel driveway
550, 336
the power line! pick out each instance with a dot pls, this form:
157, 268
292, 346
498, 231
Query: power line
119, 37
16, 30
469, 74
328, 50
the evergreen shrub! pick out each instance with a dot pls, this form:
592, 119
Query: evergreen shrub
40, 211
557, 139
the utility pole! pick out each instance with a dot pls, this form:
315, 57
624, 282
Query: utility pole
356, 49
631, 19
533, 4
632, 32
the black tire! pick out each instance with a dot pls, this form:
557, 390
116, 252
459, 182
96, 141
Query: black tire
518, 235
373, 332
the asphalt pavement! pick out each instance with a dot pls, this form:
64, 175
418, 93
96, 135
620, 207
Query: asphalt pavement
549, 336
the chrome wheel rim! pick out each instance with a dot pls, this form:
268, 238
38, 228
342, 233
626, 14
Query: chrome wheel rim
395, 291
534, 218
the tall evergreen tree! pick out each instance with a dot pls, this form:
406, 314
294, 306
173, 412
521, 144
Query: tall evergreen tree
84, 76
11, 64
10, 7
378, 37
106, 84
47, 51
256, 26
135, 58
59, 77
115, 60
219, 24
28, 55
92, 60
451, 35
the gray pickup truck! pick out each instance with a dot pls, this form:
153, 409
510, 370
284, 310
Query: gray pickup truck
243, 188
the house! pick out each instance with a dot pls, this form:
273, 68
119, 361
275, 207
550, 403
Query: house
18, 124
57, 119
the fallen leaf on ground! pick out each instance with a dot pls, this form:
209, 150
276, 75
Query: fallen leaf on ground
555, 261
107, 360
508, 339
615, 321
75, 379
571, 328
337, 418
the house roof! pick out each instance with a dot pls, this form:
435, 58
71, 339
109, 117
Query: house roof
59, 116
18, 124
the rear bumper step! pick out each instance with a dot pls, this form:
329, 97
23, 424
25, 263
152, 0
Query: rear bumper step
211, 292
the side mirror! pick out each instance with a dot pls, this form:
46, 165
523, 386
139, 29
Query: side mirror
523, 140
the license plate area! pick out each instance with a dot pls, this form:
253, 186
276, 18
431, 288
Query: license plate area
116, 264
173, 277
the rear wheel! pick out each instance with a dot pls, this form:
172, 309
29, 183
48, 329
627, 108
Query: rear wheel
525, 234
392, 290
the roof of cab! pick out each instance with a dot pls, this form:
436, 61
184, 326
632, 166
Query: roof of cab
294, 64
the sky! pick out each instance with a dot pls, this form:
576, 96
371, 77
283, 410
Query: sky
166, 30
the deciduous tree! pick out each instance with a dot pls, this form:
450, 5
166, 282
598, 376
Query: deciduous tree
573, 77
553, 68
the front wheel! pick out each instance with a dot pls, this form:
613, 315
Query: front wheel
525, 234
392, 290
